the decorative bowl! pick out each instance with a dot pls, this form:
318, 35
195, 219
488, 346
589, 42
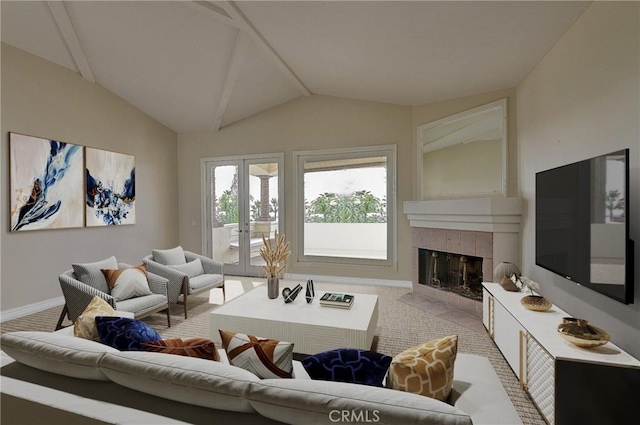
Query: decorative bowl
536, 303
579, 333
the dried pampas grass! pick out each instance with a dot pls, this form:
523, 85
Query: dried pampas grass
274, 253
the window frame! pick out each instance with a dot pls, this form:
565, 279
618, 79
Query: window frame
299, 159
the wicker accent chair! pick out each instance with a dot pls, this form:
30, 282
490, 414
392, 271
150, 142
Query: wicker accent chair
78, 295
177, 266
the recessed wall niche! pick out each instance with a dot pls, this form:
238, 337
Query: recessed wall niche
464, 155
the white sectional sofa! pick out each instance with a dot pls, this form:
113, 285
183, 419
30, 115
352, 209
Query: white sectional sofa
61, 376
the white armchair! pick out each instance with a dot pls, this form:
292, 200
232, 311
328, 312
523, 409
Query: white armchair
188, 273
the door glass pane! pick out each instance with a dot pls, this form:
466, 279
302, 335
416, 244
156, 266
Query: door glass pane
224, 217
345, 208
263, 205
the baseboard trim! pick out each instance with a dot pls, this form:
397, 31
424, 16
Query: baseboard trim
349, 280
15, 313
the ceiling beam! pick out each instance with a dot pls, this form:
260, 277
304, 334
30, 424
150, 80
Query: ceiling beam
239, 52
61, 16
236, 14
213, 11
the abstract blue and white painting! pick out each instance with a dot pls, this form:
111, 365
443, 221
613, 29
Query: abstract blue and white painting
46, 184
110, 188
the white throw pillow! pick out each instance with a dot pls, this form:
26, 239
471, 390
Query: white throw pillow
169, 257
127, 283
192, 268
265, 357
299, 372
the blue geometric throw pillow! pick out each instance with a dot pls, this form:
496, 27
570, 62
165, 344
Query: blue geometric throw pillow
348, 365
124, 333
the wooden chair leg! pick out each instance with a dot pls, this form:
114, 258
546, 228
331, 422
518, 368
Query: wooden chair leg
168, 317
224, 296
65, 310
184, 294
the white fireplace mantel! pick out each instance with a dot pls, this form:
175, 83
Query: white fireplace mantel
497, 215
463, 226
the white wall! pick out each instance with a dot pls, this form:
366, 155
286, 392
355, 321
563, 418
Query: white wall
305, 123
42, 99
463, 170
361, 240
580, 101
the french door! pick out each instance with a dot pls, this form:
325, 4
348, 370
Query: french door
243, 201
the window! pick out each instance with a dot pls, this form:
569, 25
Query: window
345, 206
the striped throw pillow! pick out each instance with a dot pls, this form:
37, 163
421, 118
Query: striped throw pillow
202, 348
266, 358
426, 369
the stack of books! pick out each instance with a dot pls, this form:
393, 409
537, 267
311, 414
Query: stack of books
332, 299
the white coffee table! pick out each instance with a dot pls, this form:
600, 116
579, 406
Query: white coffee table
311, 327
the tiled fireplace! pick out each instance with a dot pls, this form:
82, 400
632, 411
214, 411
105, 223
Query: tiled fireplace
447, 271
485, 228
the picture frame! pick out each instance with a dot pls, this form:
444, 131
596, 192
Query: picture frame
46, 182
109, 188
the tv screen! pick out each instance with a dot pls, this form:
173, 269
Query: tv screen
582, 224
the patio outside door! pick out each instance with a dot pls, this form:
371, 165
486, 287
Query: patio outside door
243, 196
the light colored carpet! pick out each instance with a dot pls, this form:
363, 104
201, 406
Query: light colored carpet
400, 325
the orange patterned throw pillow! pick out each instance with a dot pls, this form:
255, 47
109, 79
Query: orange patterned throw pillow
127, 283
266, 358
426, 369
202, 348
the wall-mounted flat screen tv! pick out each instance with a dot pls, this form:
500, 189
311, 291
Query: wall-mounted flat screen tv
582, 224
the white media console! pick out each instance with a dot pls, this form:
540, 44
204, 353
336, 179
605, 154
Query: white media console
568, 384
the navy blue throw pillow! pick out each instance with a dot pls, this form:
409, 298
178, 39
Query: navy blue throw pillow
124, 333
348, 365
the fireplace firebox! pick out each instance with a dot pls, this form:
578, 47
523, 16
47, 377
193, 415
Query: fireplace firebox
461, 274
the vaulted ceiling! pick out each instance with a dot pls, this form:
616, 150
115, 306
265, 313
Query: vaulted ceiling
199, 66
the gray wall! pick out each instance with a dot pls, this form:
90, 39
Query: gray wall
583, 100
42, 99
